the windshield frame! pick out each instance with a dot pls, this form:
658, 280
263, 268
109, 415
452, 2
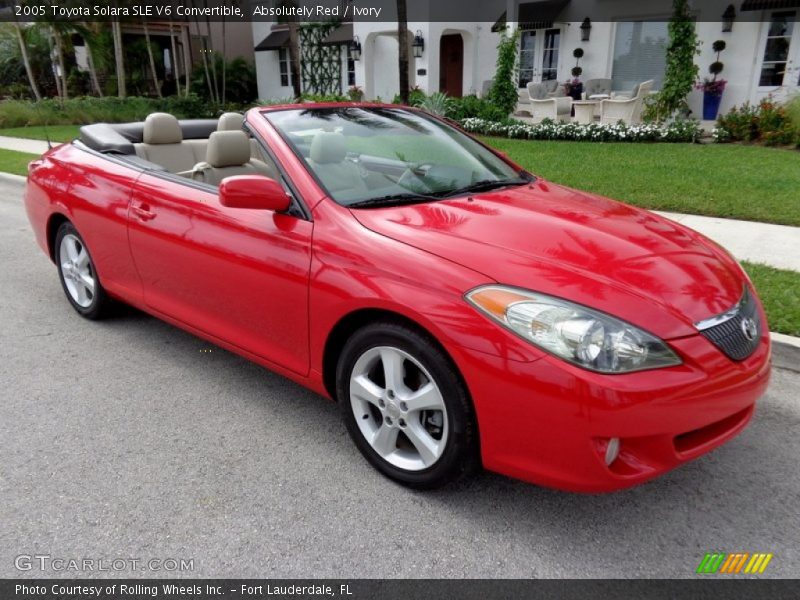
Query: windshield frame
450, 128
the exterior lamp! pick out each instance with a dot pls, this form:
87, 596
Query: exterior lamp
728, 17
355, 48
586, 29
418, 45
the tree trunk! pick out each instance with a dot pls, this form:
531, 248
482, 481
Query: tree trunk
224, 65
92, 70
294, 59
27, 62
174, 60
402, 50
151, 58
119, 58
212, 54
62, 67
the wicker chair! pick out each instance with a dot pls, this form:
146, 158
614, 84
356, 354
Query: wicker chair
628, 111
595, 87
558, 108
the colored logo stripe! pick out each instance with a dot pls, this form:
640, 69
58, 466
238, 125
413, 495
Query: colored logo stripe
722, 562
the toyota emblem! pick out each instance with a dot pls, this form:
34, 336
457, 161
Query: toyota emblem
749, 328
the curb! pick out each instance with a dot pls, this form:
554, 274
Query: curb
11, 178
785, 352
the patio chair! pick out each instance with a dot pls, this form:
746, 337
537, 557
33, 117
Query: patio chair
626, 95
594, 87
558, 108
628, 111
487, 85
555, 89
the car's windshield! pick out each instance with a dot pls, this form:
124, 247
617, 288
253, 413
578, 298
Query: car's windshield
370, 156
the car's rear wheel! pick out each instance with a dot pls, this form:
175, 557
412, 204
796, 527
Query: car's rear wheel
405, 406
78, 275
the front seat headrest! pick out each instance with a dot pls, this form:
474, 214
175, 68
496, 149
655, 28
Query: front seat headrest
162, 128
328, 147
230, 121
228, 149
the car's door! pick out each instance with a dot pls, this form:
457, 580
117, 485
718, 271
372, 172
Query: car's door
240, 275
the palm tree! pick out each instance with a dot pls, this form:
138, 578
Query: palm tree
151, 58
62, 66
174, 59
119, 58
26, 60
294, 53
89, 32
402, 50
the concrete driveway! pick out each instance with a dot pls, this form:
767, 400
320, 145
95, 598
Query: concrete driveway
131, 439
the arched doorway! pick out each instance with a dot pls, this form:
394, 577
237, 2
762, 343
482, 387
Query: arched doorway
451, 65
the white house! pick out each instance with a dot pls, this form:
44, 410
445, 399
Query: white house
623, 40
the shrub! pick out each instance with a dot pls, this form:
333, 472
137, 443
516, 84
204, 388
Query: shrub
415, 97
503, 92
436, 104
677, 131
769, 123
82, 110
474, 107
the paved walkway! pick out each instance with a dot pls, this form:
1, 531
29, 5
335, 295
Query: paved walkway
774, 245
23, 145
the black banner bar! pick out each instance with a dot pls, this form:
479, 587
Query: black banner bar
711, 587
277, 11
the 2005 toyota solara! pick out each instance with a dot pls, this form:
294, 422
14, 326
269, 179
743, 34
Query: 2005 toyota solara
462, 311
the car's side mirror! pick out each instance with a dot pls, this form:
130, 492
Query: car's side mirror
255, 192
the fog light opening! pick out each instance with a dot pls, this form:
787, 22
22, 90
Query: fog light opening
612, 451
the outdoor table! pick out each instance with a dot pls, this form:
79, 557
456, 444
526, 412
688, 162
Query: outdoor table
584, 111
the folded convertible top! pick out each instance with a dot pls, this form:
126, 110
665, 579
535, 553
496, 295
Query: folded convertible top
119, 138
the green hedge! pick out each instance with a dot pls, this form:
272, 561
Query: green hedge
79, 111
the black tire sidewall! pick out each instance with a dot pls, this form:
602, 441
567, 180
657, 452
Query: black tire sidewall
100, 301
460, 453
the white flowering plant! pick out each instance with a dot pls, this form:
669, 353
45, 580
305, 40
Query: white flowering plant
676, 131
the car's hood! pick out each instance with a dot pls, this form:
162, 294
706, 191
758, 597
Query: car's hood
616, 258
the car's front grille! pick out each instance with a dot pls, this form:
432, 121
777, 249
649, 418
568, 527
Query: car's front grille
737, 331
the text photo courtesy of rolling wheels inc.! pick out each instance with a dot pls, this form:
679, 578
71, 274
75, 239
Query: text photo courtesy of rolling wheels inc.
399, 299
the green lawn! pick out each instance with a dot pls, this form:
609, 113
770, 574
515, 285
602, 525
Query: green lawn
15, 162
780, 292
58, 133
752, 183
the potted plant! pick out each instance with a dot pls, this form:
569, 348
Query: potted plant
355, 93
574, 88
714, 87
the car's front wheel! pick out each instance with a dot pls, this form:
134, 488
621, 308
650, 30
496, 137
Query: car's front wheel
78, 275
405, 406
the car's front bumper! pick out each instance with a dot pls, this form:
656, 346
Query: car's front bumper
548, 422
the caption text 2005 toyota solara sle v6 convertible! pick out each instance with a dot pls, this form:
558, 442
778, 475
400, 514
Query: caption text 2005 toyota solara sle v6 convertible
461, 311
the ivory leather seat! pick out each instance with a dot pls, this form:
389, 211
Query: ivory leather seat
328, 158
229, 154
163, 144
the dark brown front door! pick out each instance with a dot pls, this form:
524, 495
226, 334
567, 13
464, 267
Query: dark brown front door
451, 65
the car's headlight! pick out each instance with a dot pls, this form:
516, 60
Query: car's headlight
580, 335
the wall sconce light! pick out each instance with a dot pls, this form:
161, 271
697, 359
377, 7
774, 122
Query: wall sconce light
355, 48
586, 29
418, 45
728, 17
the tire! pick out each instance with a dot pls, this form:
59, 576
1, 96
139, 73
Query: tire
78, 276
419, 429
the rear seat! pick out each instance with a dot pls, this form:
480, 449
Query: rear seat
163, 144
228, 155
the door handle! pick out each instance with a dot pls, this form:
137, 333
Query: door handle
143, 212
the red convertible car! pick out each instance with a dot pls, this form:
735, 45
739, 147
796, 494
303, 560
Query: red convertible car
461, 311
